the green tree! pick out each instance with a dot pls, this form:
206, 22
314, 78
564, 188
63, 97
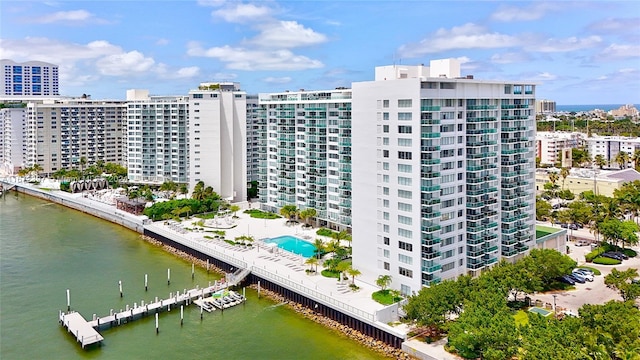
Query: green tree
615, 326
564, 172
312, 261
353, 273
290, 212
614, 231
306, 214
548, 264
622, 158
319, 247
549, 338
543, 209
433, 306
198, 191
600, 161
383, 281
485, 329
83, 163
622, 281
234, 209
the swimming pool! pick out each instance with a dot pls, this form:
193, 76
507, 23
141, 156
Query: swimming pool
294, 245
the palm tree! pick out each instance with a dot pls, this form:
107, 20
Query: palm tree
234, 209
600, 161
320, 247
307, 214
312, 261
198, 191
636, 159
383, 281
353, 273
564, 172
622, 158
83, 162
289, 212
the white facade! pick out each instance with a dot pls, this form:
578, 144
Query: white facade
61, 132
157, 138
610, 146
308, 154
12, 141
31, 78
549, 145
545, 106
443, 176
217, 139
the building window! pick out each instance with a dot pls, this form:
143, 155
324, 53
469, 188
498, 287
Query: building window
404, 103
404, 142
385, 103
385, 240
404, 129
386, 266
404, 168
404, 116
404, 194
405, 272
385, 116
404, 155
197, 96
404, 181
449, 266
405, 246
405, 259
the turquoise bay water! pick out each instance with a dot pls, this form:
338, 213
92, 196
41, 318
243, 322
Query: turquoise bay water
46, 249
294, 245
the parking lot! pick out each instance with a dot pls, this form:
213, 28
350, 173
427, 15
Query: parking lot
595, 292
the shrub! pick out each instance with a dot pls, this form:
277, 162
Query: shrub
259, 214
385, 297
330, 274
605, 261
324, 232
595, 253
630, 252
208, 237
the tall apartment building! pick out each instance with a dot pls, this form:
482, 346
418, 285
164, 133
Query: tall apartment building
217, 139
545, 106
256, 137
308, 154
157, 138
610, 146
60, 132
12, 142
443, 173
31, 78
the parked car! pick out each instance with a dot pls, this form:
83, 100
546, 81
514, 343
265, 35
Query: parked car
567, 279
577, 278
582, 242
621, 254
573, 226
584, 270
564, 225
584, 275
612, 255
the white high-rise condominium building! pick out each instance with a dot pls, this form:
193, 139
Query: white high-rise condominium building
59, 133
31, 78
217, 139
443, 173
610, 146
157, 138
308, 154
12, 141
545, 106
256, 140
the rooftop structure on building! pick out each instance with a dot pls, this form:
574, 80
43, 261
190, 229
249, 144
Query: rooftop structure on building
157, 138
31, 78
306, 158
218, 139
443, 169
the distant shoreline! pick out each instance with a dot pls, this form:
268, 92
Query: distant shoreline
579, 108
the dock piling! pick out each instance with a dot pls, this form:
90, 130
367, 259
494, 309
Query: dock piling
192, 271
68, 301
168, 276
146, 288
181, 315
157, 329
120, 287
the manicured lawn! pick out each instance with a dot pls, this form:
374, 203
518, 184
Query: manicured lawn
544, 231
330, 274
385, 297
259, 214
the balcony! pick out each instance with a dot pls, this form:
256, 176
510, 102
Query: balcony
431, 269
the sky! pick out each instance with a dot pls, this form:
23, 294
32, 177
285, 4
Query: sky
582, 52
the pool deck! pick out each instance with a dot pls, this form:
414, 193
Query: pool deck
282, 262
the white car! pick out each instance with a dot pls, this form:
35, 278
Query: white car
583, 274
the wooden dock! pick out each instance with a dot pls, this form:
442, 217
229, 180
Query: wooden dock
85, 331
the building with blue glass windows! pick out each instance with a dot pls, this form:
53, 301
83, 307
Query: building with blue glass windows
31, 78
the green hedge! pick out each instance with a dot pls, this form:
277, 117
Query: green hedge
324, 232
594, 254
605, 261
259, 214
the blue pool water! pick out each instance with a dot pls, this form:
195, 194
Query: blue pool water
294, 245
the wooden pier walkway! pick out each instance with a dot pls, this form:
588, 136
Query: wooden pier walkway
85, 331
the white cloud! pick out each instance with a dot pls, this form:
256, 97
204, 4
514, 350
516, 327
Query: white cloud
277, 80
66, 18
124, 63
287, 34
225, 76
564, 45
510, 58
534, 11
162, 42
617, 52
467, 36
213, 3
238, 58
615, 26
239, 13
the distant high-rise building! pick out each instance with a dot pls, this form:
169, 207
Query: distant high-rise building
217, 139
157, 138
443, 174
308, 154
31, 78
545, 106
